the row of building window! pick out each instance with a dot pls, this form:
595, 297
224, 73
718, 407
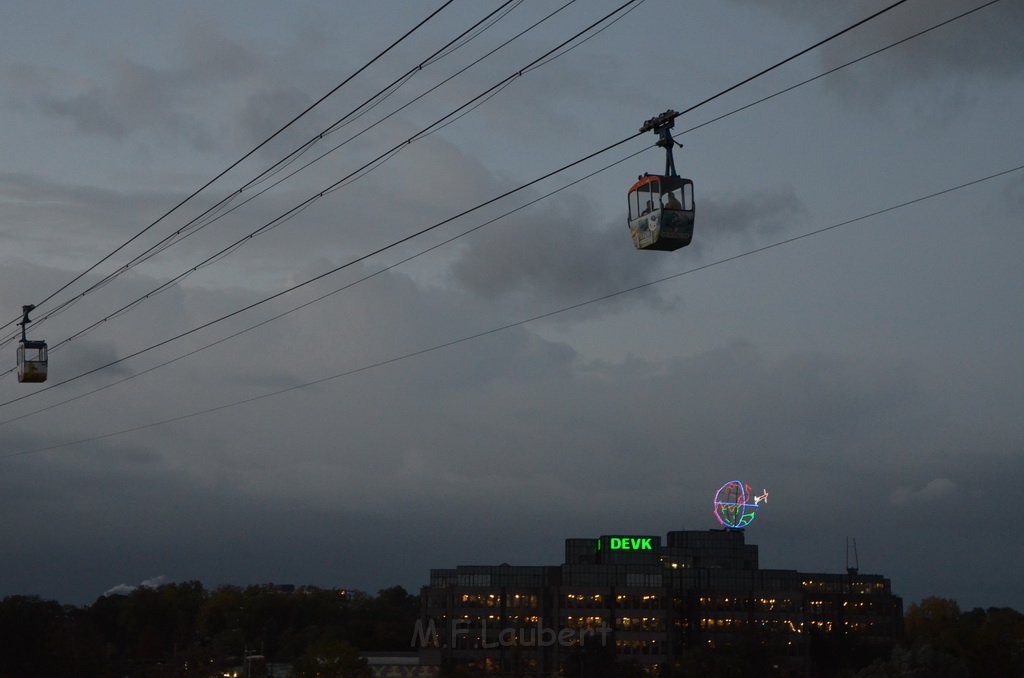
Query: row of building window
584, 622
521, 600
842, 585
493, 620
773, 604
639, 624
711, 623
641, 601
635, 647
761, 603
761, 625
624, 623
649, 623
655, 602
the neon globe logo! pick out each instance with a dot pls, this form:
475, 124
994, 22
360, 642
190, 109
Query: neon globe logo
736, 505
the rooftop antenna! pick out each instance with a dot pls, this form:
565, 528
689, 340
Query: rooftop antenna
856, 560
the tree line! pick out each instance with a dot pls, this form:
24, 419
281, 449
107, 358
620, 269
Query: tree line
939, 641
185, 630
944, 642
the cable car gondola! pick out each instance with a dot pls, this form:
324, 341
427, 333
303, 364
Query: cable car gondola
661, 206
31, 354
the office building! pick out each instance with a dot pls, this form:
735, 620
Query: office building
650, 603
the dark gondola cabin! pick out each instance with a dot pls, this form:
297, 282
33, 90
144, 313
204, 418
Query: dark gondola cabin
32, 361
31, 354
661, 212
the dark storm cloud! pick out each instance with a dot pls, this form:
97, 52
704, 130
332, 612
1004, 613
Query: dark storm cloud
558, 254
734, 406
73, 212
137, 98
264, 110
573, 87
89, 222
209, 54
986, 45
932, 530
1014, 193
565, 251
192, 498
875, 399
754, 219
98, 535
657, 437
87, 355
205, 75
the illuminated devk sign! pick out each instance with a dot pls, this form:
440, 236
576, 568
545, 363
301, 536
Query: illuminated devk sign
622, 545
627, 544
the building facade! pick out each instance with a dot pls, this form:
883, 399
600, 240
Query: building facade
644, 602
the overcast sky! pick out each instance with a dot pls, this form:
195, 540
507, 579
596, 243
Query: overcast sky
870, 377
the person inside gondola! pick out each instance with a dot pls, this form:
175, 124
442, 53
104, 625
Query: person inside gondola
649, 208
672, 202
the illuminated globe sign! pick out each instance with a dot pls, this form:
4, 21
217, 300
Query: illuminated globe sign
736, 505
